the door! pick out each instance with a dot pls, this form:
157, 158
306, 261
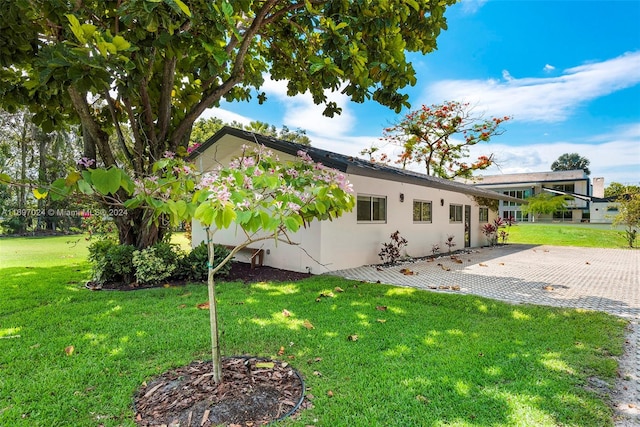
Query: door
467, 226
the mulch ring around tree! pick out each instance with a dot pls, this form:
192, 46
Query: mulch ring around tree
253, 392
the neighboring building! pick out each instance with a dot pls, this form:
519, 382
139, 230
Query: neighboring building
602, 209
424, 209
588, 202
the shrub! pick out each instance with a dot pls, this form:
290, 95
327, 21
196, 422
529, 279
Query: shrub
150, 268
111, 262
120, 259
390, 252
194, 265
450, 243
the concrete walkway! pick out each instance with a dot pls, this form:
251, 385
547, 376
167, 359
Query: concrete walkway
596, 279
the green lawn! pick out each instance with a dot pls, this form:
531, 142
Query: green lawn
428, 359
582, 235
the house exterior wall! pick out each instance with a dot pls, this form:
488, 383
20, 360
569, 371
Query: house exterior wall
346, 242
527, 184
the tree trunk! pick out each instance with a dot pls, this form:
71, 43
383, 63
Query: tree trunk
133, 228
213, 314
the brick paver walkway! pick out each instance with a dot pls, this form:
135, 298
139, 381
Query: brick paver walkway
597, 279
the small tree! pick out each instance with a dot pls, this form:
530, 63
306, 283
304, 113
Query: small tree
545, 204
390, 252
571, 161
266, 198
427, 138
629, 216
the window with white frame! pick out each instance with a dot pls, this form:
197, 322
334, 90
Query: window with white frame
484, 214
421, 211
371, 208
455, 213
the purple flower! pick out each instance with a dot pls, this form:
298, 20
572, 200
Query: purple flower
86, 162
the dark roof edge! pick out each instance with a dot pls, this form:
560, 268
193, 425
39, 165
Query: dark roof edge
352, 165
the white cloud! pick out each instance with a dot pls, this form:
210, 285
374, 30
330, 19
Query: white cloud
226, 116
301, 112
472, 6
614, 156
550, 99
548, 68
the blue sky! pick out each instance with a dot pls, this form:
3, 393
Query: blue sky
568, 71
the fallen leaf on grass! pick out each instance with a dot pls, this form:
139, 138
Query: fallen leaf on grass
203, 306
330, 393
381, 320
353, 337
281, 351
381, 307
286, 313
327, 294
182, 306
421, 398
308, 325
338, 289
69, 350
166, 285
317, 373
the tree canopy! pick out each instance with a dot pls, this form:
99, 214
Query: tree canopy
428, 137
617, 189
154, 66
571, 161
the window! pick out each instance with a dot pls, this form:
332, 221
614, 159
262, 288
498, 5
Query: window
455, 213
371, 208
421, 211
484, 214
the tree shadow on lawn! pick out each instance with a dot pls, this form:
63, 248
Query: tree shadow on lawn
388, 355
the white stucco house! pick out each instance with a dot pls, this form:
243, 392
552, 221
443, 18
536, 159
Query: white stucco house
424, 209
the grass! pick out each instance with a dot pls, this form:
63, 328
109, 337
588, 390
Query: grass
428, 359
582, 235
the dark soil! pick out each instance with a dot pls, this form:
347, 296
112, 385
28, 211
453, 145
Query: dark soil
240, 272
249, 395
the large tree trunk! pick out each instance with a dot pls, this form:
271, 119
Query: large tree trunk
133, 229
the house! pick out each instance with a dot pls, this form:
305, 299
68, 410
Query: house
424, 209
574, 183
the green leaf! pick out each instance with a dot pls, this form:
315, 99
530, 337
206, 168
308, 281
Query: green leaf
59, 189
291, 223
106, 181
88, 30
4, 178
228, 215
132, 203
120, 43
204, 213
183, 7
76, 28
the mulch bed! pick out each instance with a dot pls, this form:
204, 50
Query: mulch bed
248, 396
253, 392
240, 272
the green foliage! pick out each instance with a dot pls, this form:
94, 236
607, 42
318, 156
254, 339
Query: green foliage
571, 161
195, 264
110, 261
150, 267
629, 216
545, 204
617, 189
427, 137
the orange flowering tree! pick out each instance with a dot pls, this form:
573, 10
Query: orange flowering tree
439, 137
